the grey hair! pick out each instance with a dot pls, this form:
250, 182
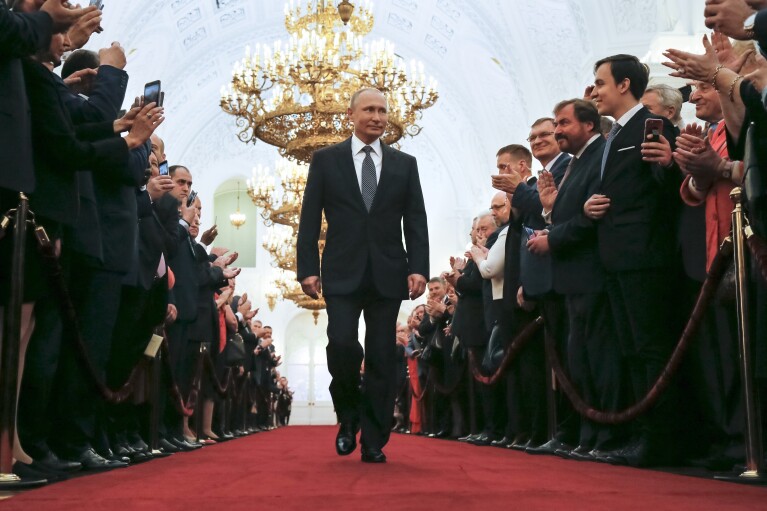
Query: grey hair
669, 97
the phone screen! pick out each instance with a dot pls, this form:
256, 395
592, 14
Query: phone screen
190, 199
98, 3
152, 92
164, 168
652, 130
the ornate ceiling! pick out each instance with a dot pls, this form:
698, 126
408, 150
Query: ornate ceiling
500, 65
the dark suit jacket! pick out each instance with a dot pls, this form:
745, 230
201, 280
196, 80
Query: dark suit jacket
183, 263
60, 149
576, 267
526, 200
21, 35
468, 319
535, 270
639, 229
105, 99
157, 236
357, 238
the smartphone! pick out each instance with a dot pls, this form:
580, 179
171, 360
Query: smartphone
164, 171
162, 98
152, 92
529, 232
98, 3
190, 199
652, 130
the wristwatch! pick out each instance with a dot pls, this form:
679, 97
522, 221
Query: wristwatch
748, 26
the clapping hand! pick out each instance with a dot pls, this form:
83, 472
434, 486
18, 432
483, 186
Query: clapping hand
547, 190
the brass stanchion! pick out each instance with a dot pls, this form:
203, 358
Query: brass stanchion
9, 353
754, 454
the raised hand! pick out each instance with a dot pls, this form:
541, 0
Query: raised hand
83, 28
148, 119
506, 182
79, 76
547, 190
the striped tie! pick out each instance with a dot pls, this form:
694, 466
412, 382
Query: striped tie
610, 136
369, 183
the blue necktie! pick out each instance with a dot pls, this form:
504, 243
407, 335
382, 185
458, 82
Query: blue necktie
610, 136
369, 183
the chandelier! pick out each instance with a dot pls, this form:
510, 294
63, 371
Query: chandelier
294, 94
281, 209
237, 219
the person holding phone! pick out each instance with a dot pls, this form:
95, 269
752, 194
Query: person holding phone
636, 213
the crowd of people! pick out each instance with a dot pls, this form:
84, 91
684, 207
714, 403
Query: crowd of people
610, 243
124, 228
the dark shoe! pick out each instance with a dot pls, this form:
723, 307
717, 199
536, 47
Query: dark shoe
482, 439
110, 455
640, 455
168, 446
51, 463
184, 445
580, 453
503, 442
603, 456
138, 445
550, 447
373, 456
27, 473
442, 434
523, 446
346, 439
92, 461
123, 450
519, 438
466, 438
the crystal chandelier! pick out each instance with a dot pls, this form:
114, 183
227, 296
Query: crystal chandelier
294, 94
280, 209
237, 219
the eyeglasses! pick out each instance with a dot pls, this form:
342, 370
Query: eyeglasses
532, 138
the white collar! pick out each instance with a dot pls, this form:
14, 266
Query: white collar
593, 138
625, 118
358, 144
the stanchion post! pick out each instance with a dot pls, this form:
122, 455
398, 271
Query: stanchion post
753, 472
200, 399
9, 353
154, 402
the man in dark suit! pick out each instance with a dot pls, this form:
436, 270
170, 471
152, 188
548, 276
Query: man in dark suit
593, 356
365, 268
636, 215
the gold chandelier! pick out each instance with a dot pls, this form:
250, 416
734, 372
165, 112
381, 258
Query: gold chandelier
294, 95
237, 219
281, 212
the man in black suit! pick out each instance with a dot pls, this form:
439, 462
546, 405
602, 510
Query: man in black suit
593, 356
636, 213
365, 268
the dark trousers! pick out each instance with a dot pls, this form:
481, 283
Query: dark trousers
97, 301
171, 423
595, 365
641, 307
567, 424
373, 404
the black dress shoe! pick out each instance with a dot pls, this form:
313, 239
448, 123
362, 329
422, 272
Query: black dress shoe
110, 455
373, 456
346, 439
466, 438
184, 445
604, 456
123, 450
168, 446
27, 473
502, 443
90, 460
138, 444
443, 433
51, 463
482, 439
580, 453
549, 447
523, 446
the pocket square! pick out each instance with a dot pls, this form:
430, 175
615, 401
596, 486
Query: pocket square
625, 148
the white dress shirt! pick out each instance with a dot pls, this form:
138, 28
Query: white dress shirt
359, 155
492, 267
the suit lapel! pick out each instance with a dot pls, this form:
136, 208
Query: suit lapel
627, 134
388, 158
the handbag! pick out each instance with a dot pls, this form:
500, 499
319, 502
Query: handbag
234, 351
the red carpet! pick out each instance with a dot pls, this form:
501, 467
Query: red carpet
297, 468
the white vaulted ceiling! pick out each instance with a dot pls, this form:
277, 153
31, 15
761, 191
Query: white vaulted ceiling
500, 65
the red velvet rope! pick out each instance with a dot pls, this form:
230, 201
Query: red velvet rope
718, 267
519, 342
